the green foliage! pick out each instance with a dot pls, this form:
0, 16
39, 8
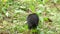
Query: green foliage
32, 8
45, 19
13, 15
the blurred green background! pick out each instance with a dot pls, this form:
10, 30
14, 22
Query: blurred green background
13, 15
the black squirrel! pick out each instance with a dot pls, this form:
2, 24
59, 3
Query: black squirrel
32, 21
